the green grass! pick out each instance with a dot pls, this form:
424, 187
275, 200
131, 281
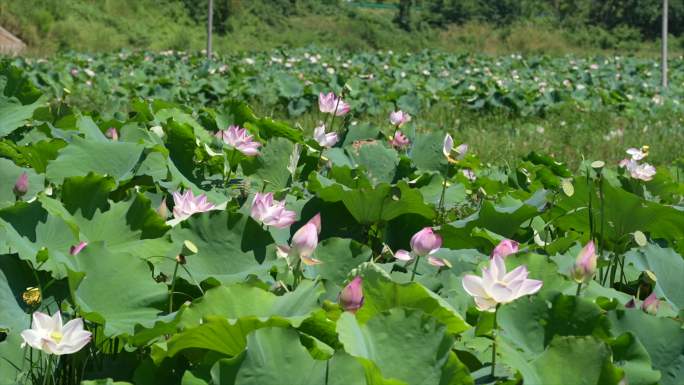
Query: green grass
568, 135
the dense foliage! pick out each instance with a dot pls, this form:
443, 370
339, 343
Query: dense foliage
290, 80
643, 16
137, 218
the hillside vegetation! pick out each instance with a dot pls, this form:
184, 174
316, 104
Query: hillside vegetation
502, 26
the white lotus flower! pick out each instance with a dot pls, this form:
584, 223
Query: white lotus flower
48, 334
496, 286
324, 139
636, 153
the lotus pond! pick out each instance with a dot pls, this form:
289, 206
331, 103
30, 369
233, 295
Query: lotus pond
174, 236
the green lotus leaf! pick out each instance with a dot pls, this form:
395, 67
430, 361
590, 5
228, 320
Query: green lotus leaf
97, 273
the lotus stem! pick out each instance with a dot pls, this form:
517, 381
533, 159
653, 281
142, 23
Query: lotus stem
415, 267
579, 288
494, 332
173, 287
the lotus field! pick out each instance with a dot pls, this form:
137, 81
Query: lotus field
156, 229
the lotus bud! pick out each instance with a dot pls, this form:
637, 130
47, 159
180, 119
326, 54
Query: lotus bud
585, 265
505, 248
448, 145
22, 185
112, 134
351, 297
77, 248
316, 221
163, 210
305, 240
651, 304
425, 242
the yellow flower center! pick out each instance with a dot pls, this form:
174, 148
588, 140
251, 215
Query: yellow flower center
56, 336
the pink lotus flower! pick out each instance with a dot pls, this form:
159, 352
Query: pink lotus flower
651, 304
324, 140
239, 139
496, 286
77, 248
399, 118
399, 140
331, 104
585, 265
48, 334
187, 204
112, 134
305, 241
271, 213
351, 297
505, 248
21, 186
425, 242
642, 171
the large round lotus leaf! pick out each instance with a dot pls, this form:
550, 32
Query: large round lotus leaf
230, 247
381, 294
240, 300
663, 338
274, 356
339, 257
82, 157
407, 345
271, 165
36, 236
115, 289
573, 361
529, 323
668, 267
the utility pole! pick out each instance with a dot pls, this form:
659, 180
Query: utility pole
663, 65
210, 21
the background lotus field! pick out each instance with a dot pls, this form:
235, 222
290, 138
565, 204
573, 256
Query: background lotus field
120, 206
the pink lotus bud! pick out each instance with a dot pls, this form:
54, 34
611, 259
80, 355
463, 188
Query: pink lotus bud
651, 304
425, 242
316, 221
403, 255
112, 134
77, 248
585, 265
399, 118
305, 240
631, 304
505, 248
22, 185
351, 297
